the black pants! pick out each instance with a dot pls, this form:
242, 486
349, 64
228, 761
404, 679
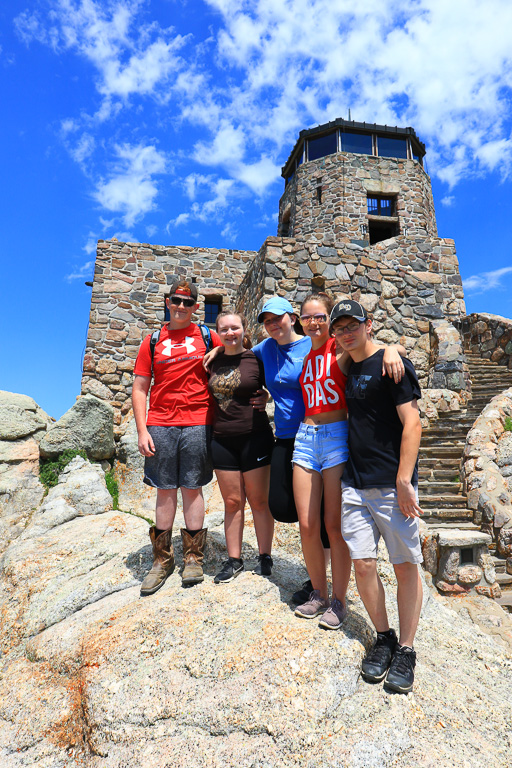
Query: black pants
280, 498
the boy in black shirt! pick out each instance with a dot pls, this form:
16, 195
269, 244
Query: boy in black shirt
379, 492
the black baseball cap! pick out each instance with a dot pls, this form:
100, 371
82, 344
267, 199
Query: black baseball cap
348, 308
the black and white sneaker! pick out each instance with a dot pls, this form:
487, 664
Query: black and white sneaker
377, 660
264, 567
229, 571
400, 677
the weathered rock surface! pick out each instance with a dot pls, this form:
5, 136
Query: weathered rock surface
22, 425
219, 675
88, 425
488, 468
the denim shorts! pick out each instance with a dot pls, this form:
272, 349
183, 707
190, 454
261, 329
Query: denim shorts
321, 446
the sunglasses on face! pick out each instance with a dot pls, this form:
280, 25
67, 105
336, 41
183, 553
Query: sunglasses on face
350, 328
177, 300
318, 318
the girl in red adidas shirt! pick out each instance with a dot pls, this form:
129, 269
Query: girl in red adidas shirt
319, 455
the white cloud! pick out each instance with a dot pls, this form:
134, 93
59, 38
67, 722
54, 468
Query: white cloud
230, 232
130, 57
131, 190
86, 271
83, 149
448, 200
486, 281
90, 246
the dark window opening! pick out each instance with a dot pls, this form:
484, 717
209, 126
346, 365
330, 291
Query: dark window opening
212, 307
389, 147
381, 230
322, 146
319, 195
466, 556
381, 206
360, 143
285, 224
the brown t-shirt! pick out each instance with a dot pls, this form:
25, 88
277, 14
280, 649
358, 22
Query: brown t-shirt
233, 381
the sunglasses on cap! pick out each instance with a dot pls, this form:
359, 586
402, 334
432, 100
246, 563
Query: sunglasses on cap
177, 300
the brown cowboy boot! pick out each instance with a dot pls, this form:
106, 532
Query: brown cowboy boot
163, 561
193, 554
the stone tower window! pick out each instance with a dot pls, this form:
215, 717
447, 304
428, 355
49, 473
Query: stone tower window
382, 218
212, 307
360, 143
387, 146
322, 146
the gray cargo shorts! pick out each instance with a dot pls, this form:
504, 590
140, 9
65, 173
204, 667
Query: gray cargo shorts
182, 457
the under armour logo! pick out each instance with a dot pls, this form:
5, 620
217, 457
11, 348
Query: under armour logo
168, 345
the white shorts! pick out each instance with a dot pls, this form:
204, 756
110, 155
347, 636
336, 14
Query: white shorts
368, 514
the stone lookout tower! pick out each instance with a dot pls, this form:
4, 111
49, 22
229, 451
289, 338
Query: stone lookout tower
356, 217
356, 181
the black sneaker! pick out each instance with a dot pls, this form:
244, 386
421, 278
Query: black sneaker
302, 594
401, 671
264, 567
377, 660
229, 571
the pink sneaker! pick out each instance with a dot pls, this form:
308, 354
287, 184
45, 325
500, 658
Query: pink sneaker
312, 607
334, 616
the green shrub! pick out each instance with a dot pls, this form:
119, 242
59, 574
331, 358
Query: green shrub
50, 469
112, 488
508, 424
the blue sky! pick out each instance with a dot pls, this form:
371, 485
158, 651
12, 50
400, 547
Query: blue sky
168, 122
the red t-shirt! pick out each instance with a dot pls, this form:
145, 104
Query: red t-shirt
322, 382
179, 395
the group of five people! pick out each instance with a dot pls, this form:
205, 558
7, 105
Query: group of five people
343, 407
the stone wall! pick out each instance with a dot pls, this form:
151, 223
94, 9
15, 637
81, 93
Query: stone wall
489, 336
342, 182
448, 368
130, 283
487, 469
404, 282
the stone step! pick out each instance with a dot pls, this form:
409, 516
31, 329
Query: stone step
443, 450
505, 601
438, 475
445, 500
466, 525
504, 579
446, 515
435, 487
500, 564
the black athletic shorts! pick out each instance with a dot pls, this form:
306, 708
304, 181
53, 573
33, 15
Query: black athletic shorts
280, 498
242, 453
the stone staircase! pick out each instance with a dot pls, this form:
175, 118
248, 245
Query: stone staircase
441, 494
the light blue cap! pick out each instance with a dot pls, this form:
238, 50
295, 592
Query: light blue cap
277, 306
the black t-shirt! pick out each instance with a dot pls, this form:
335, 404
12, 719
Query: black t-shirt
233, 381
375, 429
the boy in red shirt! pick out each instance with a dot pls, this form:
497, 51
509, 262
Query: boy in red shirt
175, 437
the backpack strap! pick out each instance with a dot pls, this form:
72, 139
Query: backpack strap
153, 341
207, 336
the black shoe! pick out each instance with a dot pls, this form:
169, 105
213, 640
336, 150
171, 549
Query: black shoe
229, 571
377, 660
401, 671
302, 594
264, 567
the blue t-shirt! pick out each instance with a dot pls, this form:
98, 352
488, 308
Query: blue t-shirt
283, 366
